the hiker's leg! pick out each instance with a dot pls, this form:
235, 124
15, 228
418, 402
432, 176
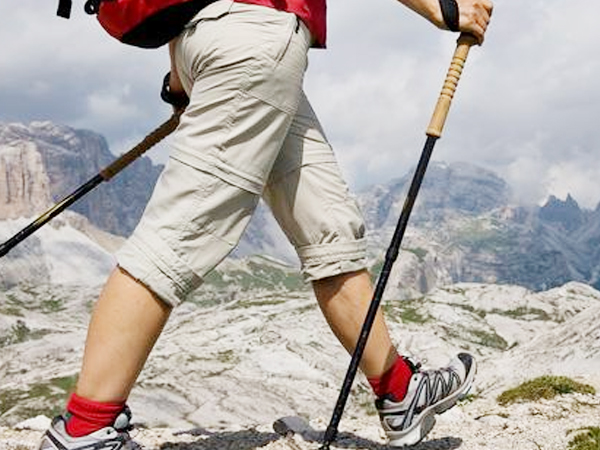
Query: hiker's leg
222, 153
311, 202
126, 322
344, 300
242, 67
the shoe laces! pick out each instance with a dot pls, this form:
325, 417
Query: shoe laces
438, 384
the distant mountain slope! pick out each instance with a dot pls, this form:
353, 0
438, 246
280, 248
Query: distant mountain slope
68, 250
466, 227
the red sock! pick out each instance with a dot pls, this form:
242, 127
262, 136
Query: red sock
87, 416
395, 381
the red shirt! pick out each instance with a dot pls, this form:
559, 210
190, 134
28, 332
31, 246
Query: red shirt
312, 13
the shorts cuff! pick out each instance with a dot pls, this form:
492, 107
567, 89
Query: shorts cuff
153, 267
327, 260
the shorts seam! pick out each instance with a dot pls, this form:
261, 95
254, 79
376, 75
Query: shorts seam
330, 253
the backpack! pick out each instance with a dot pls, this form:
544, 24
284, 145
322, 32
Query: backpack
142, 23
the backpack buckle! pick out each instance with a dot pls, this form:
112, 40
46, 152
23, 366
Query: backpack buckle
92, 6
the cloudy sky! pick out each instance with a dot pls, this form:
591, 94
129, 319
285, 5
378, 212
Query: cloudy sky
527, 106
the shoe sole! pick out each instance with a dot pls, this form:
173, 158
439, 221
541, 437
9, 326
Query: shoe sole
425, 422
415, 433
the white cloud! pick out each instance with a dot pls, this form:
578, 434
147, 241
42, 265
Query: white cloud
578, 177
526, 105
110, 107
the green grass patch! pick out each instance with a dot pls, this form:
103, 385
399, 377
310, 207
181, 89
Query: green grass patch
489, 339
587, 439
47, 398
413, 315
251, 303
10, 310
227, 357
406, 311
454, 290
20, 332
258, 276
479, 237
52, 304
478, 337
545, 387
523, 312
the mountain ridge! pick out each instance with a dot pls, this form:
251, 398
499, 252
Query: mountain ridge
251, 345
465, 226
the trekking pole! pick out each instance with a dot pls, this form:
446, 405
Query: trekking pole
105, 174
434, 132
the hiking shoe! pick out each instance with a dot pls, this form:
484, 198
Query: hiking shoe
115, 437
430, 392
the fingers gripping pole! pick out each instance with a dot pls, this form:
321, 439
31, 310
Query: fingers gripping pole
438, 119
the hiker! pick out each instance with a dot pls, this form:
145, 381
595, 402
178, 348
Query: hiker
249, 132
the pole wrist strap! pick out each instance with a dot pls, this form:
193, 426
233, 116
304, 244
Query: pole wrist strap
450, 14
178, 100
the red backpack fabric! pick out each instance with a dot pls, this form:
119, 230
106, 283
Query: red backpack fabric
142, 23
153, 23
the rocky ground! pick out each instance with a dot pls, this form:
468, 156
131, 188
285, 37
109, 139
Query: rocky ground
223, 372
475, 425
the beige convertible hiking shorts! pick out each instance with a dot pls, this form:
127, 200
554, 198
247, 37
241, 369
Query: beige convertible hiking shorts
248, 132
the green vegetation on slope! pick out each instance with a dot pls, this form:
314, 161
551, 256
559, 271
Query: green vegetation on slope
47, 398
545, 387
587, 439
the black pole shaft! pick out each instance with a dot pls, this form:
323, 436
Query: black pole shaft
50, 214
434, 132
390, 258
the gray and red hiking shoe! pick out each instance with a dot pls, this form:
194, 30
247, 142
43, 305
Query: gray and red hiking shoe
115, 437
430, 392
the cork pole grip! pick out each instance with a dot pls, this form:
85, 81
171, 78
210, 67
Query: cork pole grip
436, 125
149, 141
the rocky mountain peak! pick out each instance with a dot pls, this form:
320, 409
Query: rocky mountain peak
24, 182
463, 228
448, 189
47, 161
563, 213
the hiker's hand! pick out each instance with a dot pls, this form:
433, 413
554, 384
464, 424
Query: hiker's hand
172, 92
474, 17
467, 16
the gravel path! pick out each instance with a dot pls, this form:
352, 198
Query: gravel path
478, 425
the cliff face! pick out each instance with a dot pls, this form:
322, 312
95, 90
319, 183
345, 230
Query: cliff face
463, 228
43, 162
24, 183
